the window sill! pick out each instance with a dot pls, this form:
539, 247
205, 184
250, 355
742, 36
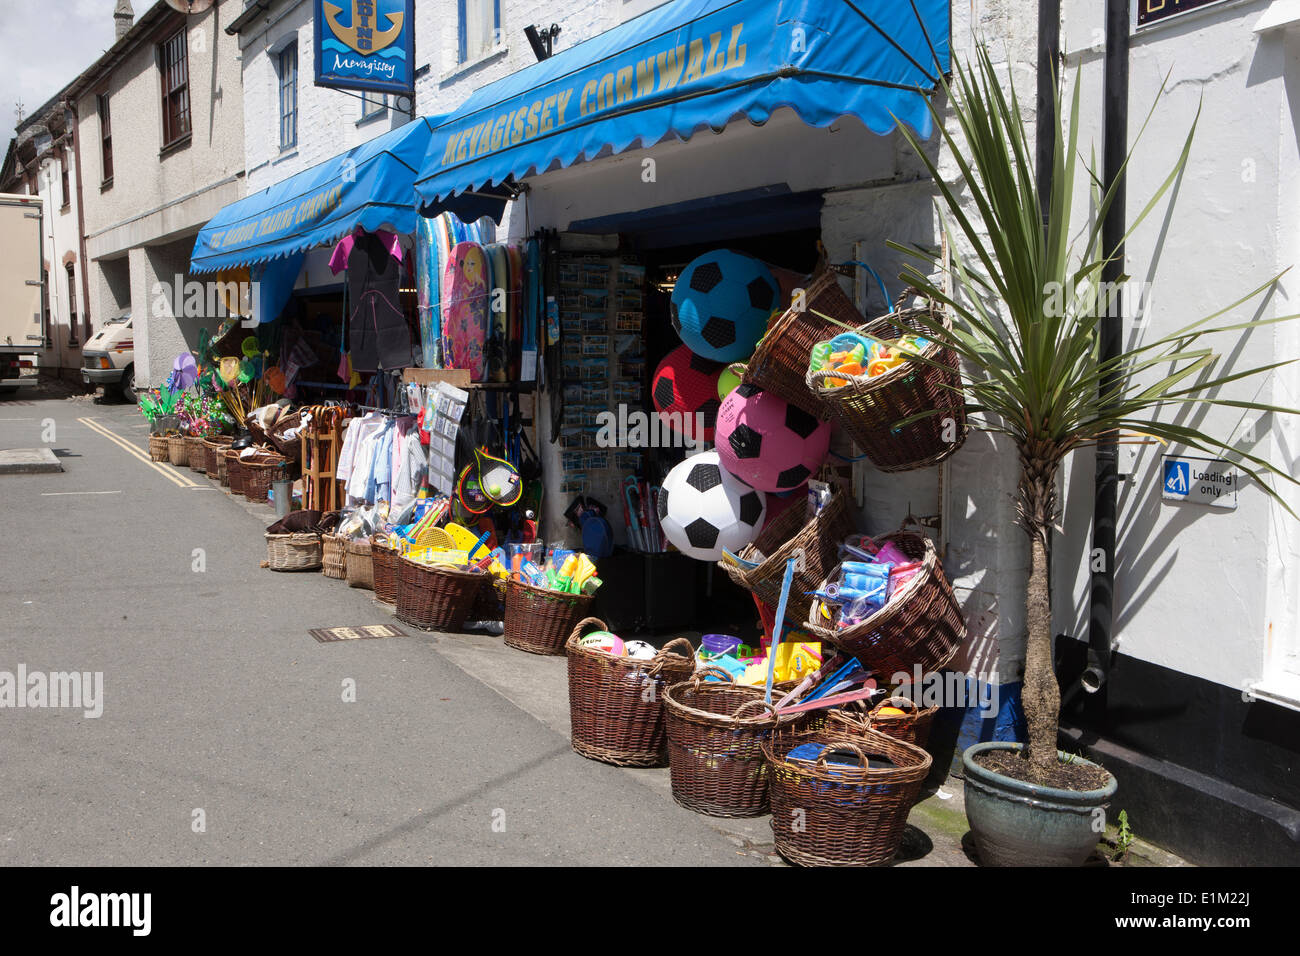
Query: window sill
468, 65
372, 117
1280, 689
106, 184
175, 146
285, 155
66, 207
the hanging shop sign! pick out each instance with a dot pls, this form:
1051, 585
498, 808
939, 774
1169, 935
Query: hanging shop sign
1202, 481
366, 45
1150, 12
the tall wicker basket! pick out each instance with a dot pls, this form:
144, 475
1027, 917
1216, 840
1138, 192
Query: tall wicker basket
234, 473
616, 709
871, 410
539, 620
384, 564
334, 558
178, 450
260, 471
196, 453
813, 542
828, 813
360, 567
921, 625
158, 448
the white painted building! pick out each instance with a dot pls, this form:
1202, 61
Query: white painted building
43, 162
160, 128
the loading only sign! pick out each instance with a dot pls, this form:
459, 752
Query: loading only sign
1202, 481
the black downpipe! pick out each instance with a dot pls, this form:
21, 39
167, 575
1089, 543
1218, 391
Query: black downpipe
1049, 59
1111, 328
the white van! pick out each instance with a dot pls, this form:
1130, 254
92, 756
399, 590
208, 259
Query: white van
108, 358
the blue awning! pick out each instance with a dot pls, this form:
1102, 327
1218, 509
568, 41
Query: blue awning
367, 186
686, 66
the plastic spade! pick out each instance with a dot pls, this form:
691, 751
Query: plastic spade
786, 582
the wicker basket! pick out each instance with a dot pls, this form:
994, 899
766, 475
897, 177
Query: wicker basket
912, 726
780, 362
234, 473
384, 565
360, 565
158, 448
870, 409
214, 449
715, 731
178, 450
830, 814
196, 453
260, 471
922, 625
335, 557
791, 535
615, 703
435, 598
539, 620
293, 552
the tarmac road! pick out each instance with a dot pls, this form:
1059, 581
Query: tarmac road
216, 699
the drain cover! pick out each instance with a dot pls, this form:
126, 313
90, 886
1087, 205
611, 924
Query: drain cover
327, 635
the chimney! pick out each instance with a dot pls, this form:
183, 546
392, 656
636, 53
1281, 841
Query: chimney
123, 17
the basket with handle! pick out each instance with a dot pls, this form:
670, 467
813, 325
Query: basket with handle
214, 448
871, 410
178, 450
922, 624
616, 709
849, 805
260, 471
814, 543
158, 448
780, 362
715, 731
539, 620
911, 726
360, 566
435, 597
293, 552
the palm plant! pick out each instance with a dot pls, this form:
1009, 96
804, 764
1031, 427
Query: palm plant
1027, 301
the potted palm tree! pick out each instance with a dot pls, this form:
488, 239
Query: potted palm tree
1026, 303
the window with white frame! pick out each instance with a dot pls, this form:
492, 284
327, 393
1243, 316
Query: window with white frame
288, 68
480, 28
372, 104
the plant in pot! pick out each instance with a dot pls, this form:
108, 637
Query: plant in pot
1025, 291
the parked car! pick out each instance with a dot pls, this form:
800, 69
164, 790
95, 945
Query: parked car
108, 359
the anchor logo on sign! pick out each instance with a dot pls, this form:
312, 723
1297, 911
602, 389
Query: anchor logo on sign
362, 36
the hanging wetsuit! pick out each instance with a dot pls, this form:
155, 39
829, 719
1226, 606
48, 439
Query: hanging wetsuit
378, 335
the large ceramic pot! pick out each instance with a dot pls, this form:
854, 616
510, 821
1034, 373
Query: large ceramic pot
1021, 824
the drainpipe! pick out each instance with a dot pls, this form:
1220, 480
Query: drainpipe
1101, 621
74, 136
1049, 60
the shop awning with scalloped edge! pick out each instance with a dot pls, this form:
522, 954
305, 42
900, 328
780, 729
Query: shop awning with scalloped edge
683, 67
368, 186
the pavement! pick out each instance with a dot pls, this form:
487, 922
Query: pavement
229, 736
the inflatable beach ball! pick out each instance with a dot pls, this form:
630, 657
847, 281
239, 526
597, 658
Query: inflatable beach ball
768, 443
721, 304
684, 384
703, 510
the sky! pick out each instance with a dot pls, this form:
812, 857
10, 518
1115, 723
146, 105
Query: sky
45, 44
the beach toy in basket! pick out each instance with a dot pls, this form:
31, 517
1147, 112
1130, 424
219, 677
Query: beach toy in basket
892, 389
616, 700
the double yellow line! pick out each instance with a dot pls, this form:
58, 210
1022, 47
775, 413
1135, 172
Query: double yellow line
179, 480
